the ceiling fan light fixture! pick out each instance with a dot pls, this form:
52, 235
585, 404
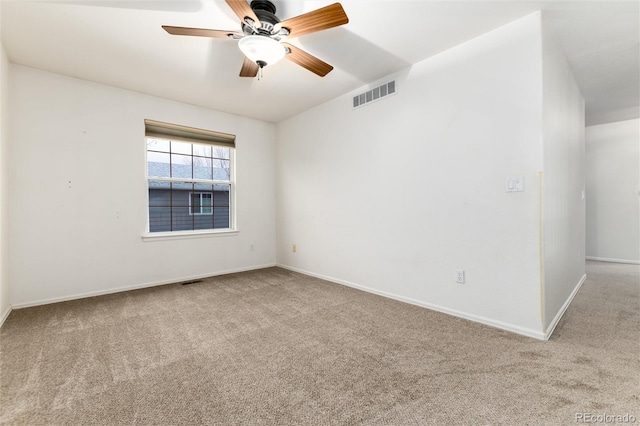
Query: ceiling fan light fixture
263, 34
262, 49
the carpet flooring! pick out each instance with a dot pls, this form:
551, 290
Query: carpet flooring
273, 347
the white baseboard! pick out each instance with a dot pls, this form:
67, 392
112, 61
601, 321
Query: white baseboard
475, 318
564, 307
5, 315
606, 259
135, 287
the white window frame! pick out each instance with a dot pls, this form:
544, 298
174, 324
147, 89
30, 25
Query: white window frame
164, 235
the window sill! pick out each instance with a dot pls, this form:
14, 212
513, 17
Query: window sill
181, 235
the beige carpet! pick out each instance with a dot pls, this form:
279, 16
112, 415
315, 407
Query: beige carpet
277, 347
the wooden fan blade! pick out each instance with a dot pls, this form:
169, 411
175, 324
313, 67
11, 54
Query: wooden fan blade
307, 60
242, 9
249, 68
201, 32
320, 19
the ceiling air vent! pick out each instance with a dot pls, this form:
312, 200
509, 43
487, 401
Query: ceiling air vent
374, 94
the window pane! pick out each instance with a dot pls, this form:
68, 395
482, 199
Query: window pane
159, 219
221, 170
181, 220
158, 145
159, 194
158, 164
181, 166
195, 202
202, 187
221, 206
180, 194
182, 186
180, 148
202, 168
221, 188
157, 184
206, 201
203, 221
202, 150
220, 152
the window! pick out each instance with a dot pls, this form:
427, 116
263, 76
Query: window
201, 203
190, 182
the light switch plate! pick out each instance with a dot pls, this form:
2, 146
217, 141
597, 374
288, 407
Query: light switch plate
515, 184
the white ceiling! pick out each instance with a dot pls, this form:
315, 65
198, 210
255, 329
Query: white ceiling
121, 43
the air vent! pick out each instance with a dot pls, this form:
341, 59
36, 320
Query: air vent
374, 94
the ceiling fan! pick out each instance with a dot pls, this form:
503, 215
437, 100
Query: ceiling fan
261, 39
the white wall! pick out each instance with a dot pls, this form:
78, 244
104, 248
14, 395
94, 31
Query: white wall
4, 185
79, 205
613, 186
563, 183
395, 196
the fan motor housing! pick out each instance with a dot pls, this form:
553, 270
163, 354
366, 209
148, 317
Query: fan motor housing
265, 11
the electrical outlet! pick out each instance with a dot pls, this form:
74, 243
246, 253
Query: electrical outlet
460, 276
294, 248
